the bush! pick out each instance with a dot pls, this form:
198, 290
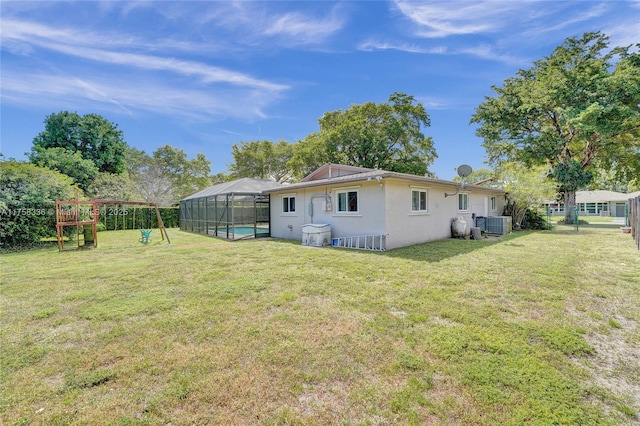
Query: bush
533, 220
27, 203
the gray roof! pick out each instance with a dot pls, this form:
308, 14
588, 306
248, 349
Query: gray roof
240, 186
601, 196
373, 174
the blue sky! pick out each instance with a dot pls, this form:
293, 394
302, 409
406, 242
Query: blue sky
204, 75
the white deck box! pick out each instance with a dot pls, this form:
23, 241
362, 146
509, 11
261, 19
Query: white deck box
316, 234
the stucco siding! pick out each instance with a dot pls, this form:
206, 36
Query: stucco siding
406, 209
369, 219
406, 227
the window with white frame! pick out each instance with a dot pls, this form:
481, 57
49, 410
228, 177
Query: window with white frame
494, 205
347, 201
288, 203
419, 200
463, 202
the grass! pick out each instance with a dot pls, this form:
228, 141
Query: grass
532, 328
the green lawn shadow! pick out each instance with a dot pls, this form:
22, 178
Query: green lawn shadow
436, 251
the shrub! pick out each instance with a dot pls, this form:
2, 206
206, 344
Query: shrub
27, 203
533, 220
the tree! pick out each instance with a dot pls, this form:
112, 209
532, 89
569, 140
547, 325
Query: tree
67, 162
262, 160
155, 186
607, 180
527, 188
308, 155
113, 187
385, 136
168, 175
484, 177
573, 111
188, 176
27, 202
91, 135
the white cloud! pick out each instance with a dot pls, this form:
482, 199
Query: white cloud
186, 88
22, 37
301, 29
132, 96
442, 19
372, 45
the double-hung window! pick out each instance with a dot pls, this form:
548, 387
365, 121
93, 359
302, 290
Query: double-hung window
463, 202
494, 205
419, 200
288, 204
347, 201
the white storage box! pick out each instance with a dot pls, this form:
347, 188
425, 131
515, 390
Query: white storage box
316, 234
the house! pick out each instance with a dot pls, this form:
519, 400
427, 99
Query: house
596, 203
364, 204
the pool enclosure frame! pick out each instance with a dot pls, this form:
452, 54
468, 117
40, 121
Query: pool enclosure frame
232, 216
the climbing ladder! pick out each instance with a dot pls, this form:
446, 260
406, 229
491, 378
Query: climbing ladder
373, 242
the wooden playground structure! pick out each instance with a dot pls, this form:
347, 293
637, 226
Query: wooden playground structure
84, 216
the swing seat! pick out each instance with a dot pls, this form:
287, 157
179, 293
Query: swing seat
145, 236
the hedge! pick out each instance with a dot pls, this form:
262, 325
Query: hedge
114, 217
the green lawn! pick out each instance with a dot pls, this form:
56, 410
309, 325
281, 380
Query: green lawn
532, 328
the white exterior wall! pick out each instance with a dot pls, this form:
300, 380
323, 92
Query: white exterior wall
384, 208
405, 227
370, 219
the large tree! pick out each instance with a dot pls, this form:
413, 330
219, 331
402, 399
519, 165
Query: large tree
167, 175
575, 110
262, 160
91, 135
113, 187
67, 162
385, 136
188, 175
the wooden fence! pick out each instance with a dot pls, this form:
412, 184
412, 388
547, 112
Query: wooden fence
634, 219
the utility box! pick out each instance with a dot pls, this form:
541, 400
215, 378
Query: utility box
316, 234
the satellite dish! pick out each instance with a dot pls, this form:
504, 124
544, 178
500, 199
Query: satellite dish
464, 171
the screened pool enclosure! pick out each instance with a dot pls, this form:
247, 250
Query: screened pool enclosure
232, 210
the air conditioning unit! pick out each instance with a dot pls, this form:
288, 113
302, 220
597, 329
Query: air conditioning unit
500, 225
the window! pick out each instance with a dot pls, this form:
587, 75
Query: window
288, 204
463, 202
347, 201
493, 204
419, 200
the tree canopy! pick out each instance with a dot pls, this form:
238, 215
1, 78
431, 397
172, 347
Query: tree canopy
91, 135
573, 111
188, 175
167, 175
70, 163
262, 160
385, 136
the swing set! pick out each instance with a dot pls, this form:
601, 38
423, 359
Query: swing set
84, 216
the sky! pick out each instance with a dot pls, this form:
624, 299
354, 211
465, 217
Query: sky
205, 75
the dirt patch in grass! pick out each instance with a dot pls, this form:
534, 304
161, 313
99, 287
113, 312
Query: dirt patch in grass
614, 365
